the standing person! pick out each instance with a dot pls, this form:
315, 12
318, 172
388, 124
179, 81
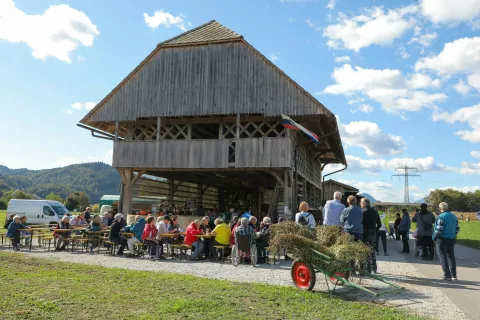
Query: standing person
445, 233
404, 229
87, 214
333, 209
247, 214
193, 229
304, 217
14, 232
395, 226
382, 232
353, 219
425, 221
371, 224
63, 238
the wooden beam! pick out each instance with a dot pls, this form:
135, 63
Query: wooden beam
134, 179
238, 126
277, 176
159, 128
116, 130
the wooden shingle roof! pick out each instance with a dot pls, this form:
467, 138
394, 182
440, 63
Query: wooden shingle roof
208, 32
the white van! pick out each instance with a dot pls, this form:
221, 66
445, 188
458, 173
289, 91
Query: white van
38, 211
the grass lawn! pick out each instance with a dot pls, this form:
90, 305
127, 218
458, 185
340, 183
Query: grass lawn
469, 235
3, 213
43, 289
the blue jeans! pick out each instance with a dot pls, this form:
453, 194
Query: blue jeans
357, 236
447, 256
198, 249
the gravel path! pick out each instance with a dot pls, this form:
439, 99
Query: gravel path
421, 300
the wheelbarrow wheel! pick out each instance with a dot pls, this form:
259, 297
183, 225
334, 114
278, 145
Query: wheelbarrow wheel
344, 275
303, 275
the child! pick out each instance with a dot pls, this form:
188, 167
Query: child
14, 232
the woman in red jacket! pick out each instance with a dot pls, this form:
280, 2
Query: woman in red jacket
190, 239
149, 237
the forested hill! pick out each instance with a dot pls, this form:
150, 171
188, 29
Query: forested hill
95, 179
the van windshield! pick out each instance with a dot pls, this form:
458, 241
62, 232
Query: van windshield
61, 210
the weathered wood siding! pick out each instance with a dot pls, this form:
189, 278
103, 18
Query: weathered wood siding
203, 154
214, 79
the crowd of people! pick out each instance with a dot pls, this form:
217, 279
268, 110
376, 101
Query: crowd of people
361, 220
370, 225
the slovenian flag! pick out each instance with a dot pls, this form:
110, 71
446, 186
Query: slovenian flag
290, 124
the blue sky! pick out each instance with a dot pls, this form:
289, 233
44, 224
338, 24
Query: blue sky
403, 77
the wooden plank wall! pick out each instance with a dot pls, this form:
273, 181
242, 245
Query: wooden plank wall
204, 154
214, 79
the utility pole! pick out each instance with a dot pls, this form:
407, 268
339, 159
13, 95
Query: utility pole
406, 175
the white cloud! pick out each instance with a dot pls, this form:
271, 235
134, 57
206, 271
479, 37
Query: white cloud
373, 27
330, 5
368, 136
467, 168
390, 88
365, 108
380, 190
311, 24
470, 115
274, 56
357, 164
475, 154
84, 106
403, 53
80, 59
459, 56
474, 79
425, 40
448, 11
160, 17
342, 59
55, 33
462, 88
106, 158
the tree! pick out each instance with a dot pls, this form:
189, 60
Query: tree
54, 197
14, 194
77, 200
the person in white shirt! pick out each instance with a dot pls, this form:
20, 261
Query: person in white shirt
162, 227
333, 210
304, 217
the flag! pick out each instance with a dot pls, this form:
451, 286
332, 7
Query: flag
290, 124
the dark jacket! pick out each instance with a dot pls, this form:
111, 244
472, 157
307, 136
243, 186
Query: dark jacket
12, 229
115, 229
397, 223
405, 224
7, 223
88, 216
425, 221
371, 219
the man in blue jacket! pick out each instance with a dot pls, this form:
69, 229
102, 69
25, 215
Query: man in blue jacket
445, 233
353, 219
14, 232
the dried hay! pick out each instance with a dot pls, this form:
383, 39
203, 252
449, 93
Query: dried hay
290, 227
327, 235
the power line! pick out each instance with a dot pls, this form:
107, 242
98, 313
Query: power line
406, 175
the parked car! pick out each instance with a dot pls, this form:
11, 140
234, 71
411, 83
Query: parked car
38, 211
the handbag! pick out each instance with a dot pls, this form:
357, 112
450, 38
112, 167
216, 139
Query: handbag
426, 226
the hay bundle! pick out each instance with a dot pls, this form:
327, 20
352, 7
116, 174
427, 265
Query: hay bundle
357, 252
327, 235
344, 238
290, 227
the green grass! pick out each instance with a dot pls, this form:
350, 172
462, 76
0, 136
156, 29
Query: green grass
43, 289
469, 235
3, 213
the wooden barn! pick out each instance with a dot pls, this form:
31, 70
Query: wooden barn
203, 111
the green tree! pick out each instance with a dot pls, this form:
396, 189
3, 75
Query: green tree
14, 194
77, 200
54, 197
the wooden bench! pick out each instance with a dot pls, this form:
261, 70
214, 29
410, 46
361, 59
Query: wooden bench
111, 247
222, 249
3, 236
183, 248
48, 239
80, 241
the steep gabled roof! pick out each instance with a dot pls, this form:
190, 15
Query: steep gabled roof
208, 32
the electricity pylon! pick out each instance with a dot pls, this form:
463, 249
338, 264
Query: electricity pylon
406, 175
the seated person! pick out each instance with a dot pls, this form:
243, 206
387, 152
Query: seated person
206, 229
79, 221
114, 236
244, 229
173, 226
10, 220
149, 237
263, 239
234, 227
221, 233
63, 238
23, 226
108, 219
234, 222
95, 225
14, 232
137, 229
252, 221
194, 229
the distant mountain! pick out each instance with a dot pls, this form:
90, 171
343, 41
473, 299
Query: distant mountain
419, 201
368, 196
95, 179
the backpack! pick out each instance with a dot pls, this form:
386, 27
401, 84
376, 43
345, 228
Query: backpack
303, 220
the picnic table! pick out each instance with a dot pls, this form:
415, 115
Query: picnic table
32, 231
98, 235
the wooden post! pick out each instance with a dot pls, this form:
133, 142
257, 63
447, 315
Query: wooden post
238, 126
127, 176
305, 190
116, 130
129, 133
172, 191
189, 131
259, 203
220, 130
159, 128
287, 194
